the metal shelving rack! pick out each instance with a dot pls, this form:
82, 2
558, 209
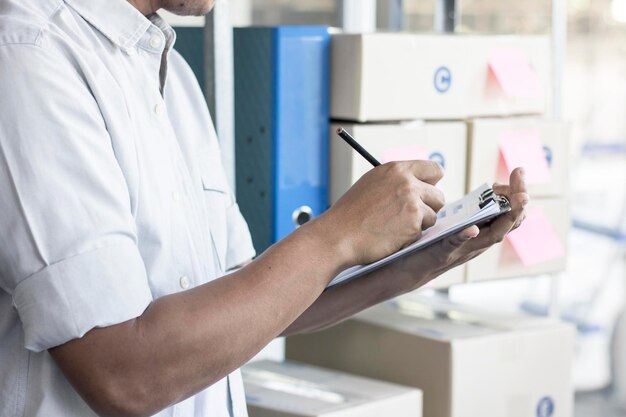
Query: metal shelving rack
356, 16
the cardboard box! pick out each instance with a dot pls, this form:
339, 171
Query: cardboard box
444, 142
393, 76
468, 363
539, 246
289, 389
541, 146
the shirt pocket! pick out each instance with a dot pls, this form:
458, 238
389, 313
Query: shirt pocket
216, 199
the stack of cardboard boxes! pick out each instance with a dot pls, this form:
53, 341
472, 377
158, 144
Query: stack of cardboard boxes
478, 106
541, 146
475, 104
466, 361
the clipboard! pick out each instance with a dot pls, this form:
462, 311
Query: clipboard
478, 207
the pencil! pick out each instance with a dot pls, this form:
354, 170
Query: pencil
343, 134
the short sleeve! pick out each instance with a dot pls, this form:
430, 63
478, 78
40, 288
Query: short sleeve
68, 247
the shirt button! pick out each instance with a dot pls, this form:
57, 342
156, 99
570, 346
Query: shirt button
155, 41
184, 282
159, 109
175, 197
132, 51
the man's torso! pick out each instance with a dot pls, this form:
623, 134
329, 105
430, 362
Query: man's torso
167, 152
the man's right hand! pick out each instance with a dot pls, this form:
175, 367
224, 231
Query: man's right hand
387, 209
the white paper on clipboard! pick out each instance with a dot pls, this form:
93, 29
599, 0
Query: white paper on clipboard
476, 207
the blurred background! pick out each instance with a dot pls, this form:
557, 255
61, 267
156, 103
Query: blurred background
590, 292
594, 96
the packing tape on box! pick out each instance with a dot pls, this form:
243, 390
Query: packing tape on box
295, 386
438, 309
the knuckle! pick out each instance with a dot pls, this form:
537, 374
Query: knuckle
440, 169
407, 189
415, 226
404, 192
416, 230
429, 219
440, 198
451, 257
437, 169
413, 208
430, 216
395, 168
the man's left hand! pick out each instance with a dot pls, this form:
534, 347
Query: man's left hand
433, 261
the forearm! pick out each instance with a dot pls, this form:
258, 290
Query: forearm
342, 302
187, 341
414, 271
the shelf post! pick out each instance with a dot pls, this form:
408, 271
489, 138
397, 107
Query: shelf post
446, 16
220, 83
358, 16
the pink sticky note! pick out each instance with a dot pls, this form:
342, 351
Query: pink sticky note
523, 148
514, 73
409, 153
536, 241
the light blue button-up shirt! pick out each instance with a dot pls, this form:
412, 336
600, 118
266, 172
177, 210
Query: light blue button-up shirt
112, 192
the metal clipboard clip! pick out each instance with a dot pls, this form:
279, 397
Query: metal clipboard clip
489, 196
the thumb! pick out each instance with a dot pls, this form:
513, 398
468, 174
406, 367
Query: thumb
458, 239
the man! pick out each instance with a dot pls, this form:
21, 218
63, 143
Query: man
117, 223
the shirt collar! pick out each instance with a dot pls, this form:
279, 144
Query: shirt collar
165, 28
118, 20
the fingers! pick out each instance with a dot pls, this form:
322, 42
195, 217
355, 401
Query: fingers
517, 183
432, 196
517, 194
426, 171
421, 176
467, 234
496, 231
519, 221
501, 189
429, 217
518, 197
451, 251
457, 240
472, 241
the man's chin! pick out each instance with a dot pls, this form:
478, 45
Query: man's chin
200, 9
